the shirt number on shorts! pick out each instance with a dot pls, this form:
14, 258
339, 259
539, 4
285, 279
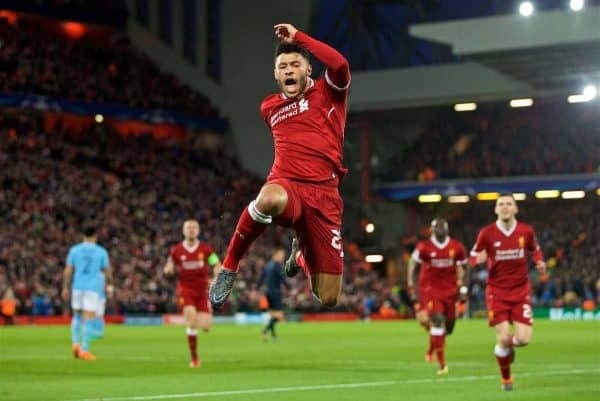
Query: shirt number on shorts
527, 311
336, 242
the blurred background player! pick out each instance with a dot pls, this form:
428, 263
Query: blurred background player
85, 261
193, 259
505, 245
441, 259
272, 276
307, 120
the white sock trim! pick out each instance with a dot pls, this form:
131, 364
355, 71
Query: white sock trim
191, 332
437, 331
500, 351
257, 215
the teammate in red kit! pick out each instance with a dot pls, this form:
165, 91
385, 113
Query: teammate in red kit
505, 245
192, 259
441, 274
307, 120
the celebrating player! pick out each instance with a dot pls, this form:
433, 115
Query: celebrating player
86, 259
505, 245
272, 276
307, 120
192, 259
441, 273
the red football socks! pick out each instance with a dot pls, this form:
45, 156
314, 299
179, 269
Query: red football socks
246, 232
437, 341
192, 336
503, 358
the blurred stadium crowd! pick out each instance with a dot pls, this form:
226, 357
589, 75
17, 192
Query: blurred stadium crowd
139, 189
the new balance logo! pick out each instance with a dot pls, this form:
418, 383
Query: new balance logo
303, 105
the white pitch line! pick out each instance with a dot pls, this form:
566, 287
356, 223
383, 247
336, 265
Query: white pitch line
335, 386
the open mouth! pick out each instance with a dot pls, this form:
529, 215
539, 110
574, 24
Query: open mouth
289, 81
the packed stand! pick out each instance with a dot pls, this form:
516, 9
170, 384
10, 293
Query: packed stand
138, 190
551, 137
87, 69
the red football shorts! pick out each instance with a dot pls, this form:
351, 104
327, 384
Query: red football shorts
199, 300
446, 307
315, 213
501, 309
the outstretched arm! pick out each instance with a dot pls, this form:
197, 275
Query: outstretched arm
338, 69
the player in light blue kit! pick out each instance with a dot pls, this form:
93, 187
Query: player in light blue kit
85, 263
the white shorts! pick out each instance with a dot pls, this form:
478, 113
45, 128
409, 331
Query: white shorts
101, 307
84, 300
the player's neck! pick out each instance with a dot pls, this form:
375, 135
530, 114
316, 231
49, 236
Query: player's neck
507, 224
191, 242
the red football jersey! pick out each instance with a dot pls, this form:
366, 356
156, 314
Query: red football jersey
308, 132
437, 276
192, 267
507, 257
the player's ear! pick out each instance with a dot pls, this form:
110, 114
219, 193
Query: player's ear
309, 69
275, 73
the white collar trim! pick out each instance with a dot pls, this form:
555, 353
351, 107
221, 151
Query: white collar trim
503, 230
188, 248
440, 245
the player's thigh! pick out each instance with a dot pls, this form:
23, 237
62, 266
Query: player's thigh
205, 320
502, 332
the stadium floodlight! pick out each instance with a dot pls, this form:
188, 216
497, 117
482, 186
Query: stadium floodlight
598, 192
547, 193
374, 258
527, 102
430, 198
590, 91
519, 196
487, 196
578, 99
465, 106
573, 195
370, 227
526, 8
458, 199
99, 118
577, 5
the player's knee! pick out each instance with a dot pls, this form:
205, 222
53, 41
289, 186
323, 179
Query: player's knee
328, 300
522, 340
437, 320
271, 202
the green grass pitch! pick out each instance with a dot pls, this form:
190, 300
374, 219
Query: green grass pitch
313, 361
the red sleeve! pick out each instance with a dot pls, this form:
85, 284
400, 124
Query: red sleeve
172, 253
480, 245
533, 246
338, 69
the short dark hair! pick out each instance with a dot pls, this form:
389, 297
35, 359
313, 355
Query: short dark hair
89, 230
507, 194
284, 47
